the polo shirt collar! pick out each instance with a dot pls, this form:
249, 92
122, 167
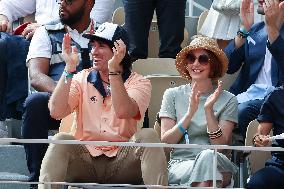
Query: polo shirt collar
95, 79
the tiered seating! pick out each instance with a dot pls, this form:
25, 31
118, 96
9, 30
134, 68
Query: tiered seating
201, 20
13, 166
118, 16
163, 75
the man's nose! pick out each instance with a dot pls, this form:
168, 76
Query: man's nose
94, 50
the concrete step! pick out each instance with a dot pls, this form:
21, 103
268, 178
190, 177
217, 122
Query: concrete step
13, 159
14, 186
13, 166
6, 176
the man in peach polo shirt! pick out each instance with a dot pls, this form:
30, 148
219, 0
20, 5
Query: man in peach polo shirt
108, 100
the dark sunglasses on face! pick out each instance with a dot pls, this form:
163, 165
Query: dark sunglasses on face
202, 59
68, 2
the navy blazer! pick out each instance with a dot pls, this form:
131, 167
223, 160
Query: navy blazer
250, 59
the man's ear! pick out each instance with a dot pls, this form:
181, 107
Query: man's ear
90, 4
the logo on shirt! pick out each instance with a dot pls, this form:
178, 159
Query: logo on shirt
94, 99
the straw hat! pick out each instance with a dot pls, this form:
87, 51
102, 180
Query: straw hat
200, 42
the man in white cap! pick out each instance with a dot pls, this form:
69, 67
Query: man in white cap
14, 47
46, 64
108, 100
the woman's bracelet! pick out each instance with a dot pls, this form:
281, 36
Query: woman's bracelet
215, 134
181, 129
183, 132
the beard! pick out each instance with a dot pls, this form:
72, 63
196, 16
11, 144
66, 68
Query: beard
71, 19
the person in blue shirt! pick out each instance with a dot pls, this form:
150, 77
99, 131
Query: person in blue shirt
271, 118
257, 51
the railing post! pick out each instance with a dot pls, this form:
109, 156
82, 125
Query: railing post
190, 7
214, 168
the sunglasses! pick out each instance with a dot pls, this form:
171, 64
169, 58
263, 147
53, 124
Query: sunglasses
68, 2
202, 59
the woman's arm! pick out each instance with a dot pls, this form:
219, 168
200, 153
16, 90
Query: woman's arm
171, 131
225, 126
222, 129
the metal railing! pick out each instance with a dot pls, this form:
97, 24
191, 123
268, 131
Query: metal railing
151, 145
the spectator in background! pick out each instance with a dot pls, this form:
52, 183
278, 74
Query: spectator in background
220, 26
171, 22
199, 113
120, 99
257, 52
46, 11
46, 65
13, 85
271, 118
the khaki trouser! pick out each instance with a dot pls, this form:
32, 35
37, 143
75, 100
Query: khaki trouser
132, 165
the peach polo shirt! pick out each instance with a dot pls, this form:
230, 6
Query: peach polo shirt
95, 116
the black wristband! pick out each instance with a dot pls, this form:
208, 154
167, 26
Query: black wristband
114, 73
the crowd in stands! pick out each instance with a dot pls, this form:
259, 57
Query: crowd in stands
78, 62
257, 52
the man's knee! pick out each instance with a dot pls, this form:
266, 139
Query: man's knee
59, 150
249, 108
63, 136
257, 182
243, 109
147, 135
36, 100
247, 112
267, 177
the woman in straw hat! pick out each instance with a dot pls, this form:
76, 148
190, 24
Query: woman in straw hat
199, 113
